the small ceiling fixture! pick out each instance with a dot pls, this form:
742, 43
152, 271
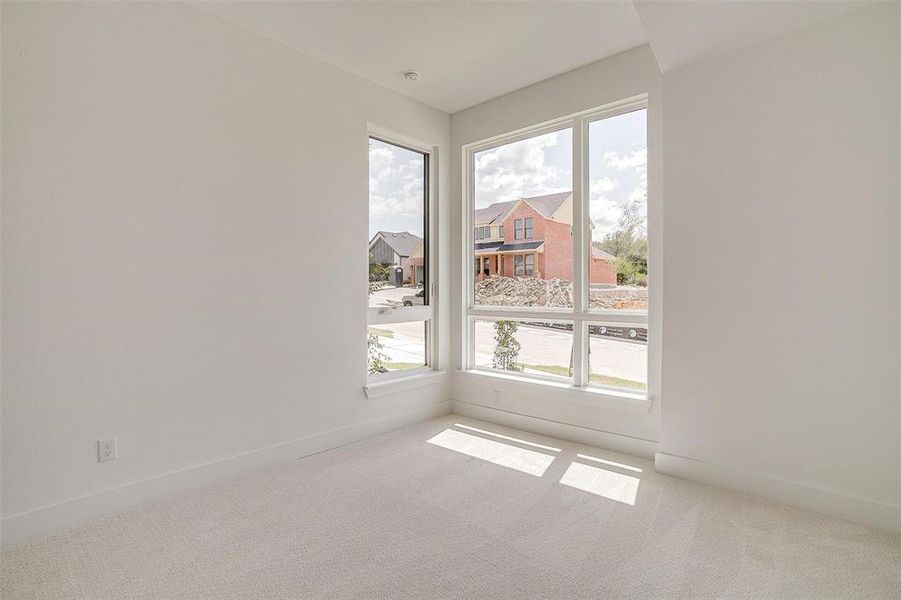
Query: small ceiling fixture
411, 75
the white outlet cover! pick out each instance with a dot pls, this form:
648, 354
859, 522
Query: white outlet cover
107, 450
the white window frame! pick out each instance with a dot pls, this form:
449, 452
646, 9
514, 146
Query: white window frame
580, 314
528, 228
382, 315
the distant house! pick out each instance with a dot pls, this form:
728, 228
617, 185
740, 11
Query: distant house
417, 259
389, 249
532, 237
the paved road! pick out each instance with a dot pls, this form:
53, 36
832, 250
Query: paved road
406, 344
539, 346
391, 296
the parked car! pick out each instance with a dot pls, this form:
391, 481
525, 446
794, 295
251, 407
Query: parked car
417, 299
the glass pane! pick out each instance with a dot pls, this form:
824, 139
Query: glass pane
618, 206
397, 346
397, 201
523, 205
538, 348
618, 356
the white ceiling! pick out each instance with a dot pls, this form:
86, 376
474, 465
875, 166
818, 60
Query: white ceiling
682, 31
472, 51
467, 52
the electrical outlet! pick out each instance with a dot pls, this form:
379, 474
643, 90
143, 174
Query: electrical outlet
107, 450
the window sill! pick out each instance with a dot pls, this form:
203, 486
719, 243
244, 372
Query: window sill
600, 397
377, 389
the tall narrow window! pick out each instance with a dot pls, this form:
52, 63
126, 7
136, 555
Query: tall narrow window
399, 317
578, 259
618, 260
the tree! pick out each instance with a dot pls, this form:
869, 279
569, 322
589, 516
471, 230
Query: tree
377, 358
378, 271
629, 244
506, 350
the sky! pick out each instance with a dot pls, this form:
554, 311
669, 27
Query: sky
618, 174
617, 149
396, 195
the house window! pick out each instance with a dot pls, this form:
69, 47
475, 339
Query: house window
524, 265
500, 232
399, 317
591, 323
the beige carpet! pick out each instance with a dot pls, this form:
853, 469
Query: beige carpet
440, 510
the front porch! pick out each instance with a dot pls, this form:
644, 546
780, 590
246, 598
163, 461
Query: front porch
500, 259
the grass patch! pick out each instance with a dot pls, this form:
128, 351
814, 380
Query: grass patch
550, 369
618, 382
381, 332
595, 378
402, 366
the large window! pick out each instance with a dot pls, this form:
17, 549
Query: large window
400, 317
566, 295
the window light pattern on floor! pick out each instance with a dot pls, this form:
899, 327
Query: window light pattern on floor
602, 482
598, 476
503, 454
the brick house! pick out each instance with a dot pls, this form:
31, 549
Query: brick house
532, 237
417, 259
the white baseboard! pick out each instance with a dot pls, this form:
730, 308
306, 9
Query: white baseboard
836, 504
111, 501
564, 431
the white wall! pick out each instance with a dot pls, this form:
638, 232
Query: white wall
781, 257
161, 281
622, 76
184, 246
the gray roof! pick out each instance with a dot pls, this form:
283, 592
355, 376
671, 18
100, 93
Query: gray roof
488, 245
598, 253
402, 242
493, 212
520, 246
547, 205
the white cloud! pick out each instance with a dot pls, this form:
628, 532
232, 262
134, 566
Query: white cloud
605, 215
519, 169
604, 212
630, 160
602, 186
395, 186
381, 161
637, 161
640, 193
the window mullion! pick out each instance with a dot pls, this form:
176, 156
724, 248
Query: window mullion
580, 276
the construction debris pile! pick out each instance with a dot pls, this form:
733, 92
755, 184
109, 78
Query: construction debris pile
529, 291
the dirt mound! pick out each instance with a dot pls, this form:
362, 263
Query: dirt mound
529, 291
